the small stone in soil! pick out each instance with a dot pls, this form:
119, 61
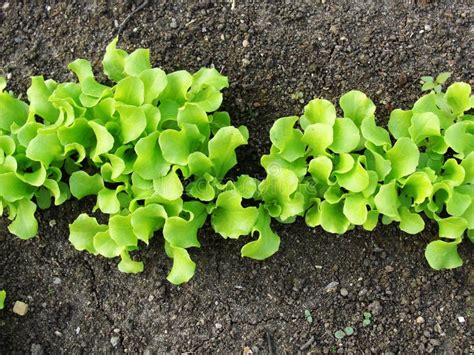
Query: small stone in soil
20, 308
36, 349
218, 326
420, 320
461, 320
56, 281
114, 341
375, 307
344, 292
332, 286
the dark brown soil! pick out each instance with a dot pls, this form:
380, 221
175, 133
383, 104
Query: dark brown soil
82, 304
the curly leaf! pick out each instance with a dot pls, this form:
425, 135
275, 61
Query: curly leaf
181, 232
150, 163
105, 245
222, 148
371, 132
318, 137
148, 219
318, 111
411, 223
320, 169
460, 137
399, 123
13, 189
168, 187
137, 62
25, 225
104, 141
38, 96
82, 184
130, 91
45, 147
179, 82
452, 227
424, 125
355, 180
128, 265
267, 243
458, 97
183, 267
387, 200
332, 217
176, 146
355, 208
229, 218
404, 157
114, 61
82, 232
356, 106
346, 136
418, 186
443, 255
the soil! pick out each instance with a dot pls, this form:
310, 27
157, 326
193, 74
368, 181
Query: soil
82, 304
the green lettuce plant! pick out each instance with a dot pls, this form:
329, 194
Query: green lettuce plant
154, 150
342, 172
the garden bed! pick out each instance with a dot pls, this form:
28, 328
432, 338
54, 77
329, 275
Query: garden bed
274, 57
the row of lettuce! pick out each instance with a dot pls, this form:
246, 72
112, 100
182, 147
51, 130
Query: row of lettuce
154, 150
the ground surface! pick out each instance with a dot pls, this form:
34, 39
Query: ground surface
80, 303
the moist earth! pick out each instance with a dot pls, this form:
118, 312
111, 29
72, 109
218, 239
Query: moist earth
277, 56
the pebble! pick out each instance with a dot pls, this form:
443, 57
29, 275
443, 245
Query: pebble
56, 281
427, 28
173, 23
245, 43
247, 351
58, 333
36, 349
52, 223
114, 341
420, 320
5, 5
389, 269
20, 308
218, 326
375, 307
245, 61
461, 320
344, 292
332, 286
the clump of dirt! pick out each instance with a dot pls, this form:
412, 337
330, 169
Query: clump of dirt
79, 303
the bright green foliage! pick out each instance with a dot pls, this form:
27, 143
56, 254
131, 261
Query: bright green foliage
358, 171
154, 151
134, 145
3, 295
